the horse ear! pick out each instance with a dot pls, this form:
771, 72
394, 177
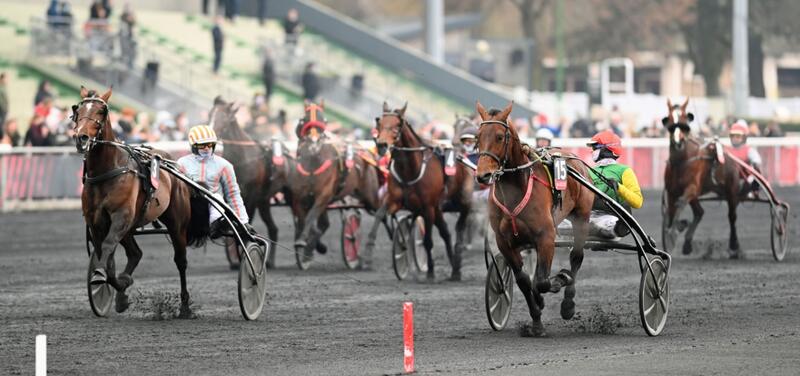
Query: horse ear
386, 107
481, 111
107, 95
669, 106
402, 111
84, 92
506, 111
685, 103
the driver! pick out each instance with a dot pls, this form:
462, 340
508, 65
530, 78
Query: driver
744, 152
616, 180
213, 172
313, 124
544, 138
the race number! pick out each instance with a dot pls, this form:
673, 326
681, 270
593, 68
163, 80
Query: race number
450, 162
560, 173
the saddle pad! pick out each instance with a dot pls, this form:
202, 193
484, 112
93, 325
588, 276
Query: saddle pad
559, 173
154, 169
450, 162
349, 155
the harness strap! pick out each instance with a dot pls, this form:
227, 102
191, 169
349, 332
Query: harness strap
522, 204
106, 175
318, 171
417, 179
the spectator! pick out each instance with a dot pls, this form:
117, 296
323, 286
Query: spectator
64, 19
259, 106
44, 90
11, 134
310, 83
754, 129
126, 123
52, 13
127, 41
268, 74
581, 128
63, 127
3, 100
292, 27
100, 10
655, 130
773, 130
181, 127
218, 38
38, 133
262, 11
615, 124
231, 9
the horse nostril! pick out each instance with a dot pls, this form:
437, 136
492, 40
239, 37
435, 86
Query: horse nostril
83, 138
485, 177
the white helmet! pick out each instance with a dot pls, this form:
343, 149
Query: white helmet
544, 133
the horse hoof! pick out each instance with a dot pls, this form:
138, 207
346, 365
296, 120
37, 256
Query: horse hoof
567, 309
125, 280
322, 248
235, 266
687, 248
122, 302
735, 254
455, 277
270, 265
364, 265
535, 330
430, 277
186, 313
98, 277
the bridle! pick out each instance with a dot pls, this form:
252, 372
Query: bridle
97, 139
502, 162
426, 158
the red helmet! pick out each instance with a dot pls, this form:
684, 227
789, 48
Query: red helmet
609, 140
739, 127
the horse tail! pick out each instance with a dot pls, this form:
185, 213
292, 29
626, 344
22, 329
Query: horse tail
199, 229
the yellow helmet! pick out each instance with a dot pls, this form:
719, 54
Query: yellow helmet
202, 134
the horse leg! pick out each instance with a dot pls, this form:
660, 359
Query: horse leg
545, 249
697, 213
733, 244
365, 257
532, 297
309, 229
322, 226
444, 233
461, 245
427, 241
120, 224
178, 237
125, 279
580, 229
264, 209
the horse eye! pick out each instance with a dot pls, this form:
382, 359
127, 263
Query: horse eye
499, 138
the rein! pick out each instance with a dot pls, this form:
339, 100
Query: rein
325, 165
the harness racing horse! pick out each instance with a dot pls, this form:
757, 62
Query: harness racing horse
418, 184
322, 176
259, 178
522, 183
693, 170
115, 203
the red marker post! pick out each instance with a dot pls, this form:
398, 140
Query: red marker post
408, 337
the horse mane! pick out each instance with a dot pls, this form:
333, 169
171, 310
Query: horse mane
423, 141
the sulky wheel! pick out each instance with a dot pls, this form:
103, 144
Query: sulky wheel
400, 247
232, 250
416, 244
253, 281
654, 297
499, 292
100, 296
667, 236
351, 241
779, 233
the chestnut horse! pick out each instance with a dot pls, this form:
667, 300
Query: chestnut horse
259, 178
418, 184
322, 176
693, 170
522, 183
114, 202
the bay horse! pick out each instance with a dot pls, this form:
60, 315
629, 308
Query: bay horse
418, 183
519, 180
693, 170
114, 202
259, 178
320, 177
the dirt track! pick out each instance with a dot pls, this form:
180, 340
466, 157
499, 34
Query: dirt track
726, 317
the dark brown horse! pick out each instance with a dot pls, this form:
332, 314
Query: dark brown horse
418, 184
259, 178
320, 177
692, 171
523, 215
114, 201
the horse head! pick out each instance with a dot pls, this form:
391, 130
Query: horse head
90, 116
677, 123
389, 127
222, 117
496, 138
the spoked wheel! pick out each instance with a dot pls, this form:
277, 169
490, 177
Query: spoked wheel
779, 233
101, 296
654, 297
351, 241
499, 292
232, 251
253, 281
416, 244
667, 239
400, 247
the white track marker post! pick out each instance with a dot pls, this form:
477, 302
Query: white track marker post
408, 337
41, 355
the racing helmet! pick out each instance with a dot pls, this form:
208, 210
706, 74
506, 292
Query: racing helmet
468, 133
740, 128
607, 139
201, 134
544, 133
